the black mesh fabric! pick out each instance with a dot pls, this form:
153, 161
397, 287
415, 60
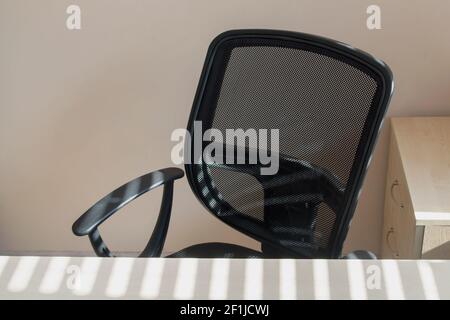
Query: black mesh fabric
323, 103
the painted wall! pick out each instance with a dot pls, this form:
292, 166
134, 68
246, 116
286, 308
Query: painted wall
81, 112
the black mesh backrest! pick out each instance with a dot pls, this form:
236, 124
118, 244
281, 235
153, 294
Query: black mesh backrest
326, 99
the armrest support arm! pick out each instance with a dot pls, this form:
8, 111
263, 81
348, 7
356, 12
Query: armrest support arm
89, 222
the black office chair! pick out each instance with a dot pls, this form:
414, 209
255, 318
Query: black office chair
327, 100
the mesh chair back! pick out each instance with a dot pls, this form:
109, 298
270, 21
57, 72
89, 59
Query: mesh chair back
327, 101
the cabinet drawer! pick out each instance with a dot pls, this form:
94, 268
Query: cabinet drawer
399, 223
419, 154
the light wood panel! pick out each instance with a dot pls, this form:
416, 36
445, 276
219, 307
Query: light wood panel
436, 242
417, 196
424, 148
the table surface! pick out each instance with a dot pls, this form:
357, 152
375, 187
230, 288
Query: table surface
29, 277
424, 146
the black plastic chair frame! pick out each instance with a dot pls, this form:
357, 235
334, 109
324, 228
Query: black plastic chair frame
89, 222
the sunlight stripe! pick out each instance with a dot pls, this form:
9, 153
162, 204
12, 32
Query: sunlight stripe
288, 282
186, 278
392, 280
218, 287
87, 276
3, 261
120, 277
54, 275
356, 279
428, 281
321, 279
151, 282
23, 273
253, 283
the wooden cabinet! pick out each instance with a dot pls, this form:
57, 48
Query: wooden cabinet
417, 197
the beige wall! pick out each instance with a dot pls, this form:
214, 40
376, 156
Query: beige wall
81, 112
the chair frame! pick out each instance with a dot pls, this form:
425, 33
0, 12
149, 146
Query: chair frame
368, 141
88, 223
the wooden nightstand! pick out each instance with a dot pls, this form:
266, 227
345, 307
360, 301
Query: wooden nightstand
417, 199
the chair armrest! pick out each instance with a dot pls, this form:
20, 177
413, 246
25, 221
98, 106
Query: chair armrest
88, 223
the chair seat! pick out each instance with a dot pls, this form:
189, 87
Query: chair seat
216, 250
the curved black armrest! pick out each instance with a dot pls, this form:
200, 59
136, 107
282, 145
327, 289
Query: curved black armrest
88, 223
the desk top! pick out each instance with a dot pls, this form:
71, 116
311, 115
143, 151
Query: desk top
424, 145
30, 277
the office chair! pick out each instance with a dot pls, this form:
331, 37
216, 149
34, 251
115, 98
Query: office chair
327, 100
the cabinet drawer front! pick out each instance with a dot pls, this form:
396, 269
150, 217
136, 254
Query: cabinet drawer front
399, 214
